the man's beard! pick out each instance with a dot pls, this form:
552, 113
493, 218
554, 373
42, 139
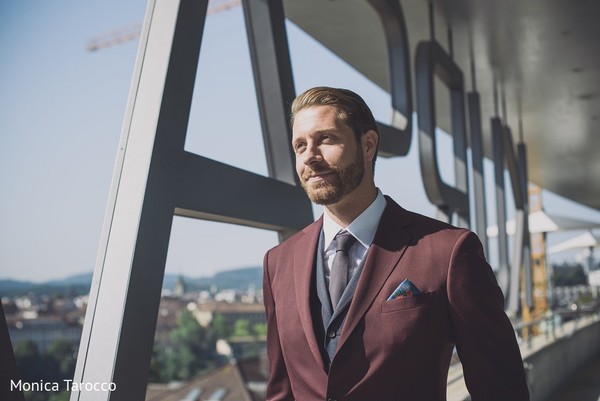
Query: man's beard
337, 185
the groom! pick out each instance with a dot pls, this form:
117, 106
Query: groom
368, 302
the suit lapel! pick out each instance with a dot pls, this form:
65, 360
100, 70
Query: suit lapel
385, 252
304, 260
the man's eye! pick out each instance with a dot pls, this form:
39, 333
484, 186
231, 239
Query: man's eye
299, 148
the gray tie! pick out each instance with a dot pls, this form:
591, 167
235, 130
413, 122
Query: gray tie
338, 279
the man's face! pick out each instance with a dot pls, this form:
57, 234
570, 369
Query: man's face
329, 161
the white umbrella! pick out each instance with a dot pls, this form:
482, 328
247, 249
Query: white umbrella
585, 240
543, 222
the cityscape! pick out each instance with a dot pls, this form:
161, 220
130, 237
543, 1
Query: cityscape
210, 332
203, 331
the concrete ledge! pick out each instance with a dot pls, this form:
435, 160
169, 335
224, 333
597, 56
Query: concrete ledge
549, 359
549, 366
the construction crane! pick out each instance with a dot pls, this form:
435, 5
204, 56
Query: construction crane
131, 33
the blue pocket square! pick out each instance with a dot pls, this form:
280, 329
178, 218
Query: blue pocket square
404, 290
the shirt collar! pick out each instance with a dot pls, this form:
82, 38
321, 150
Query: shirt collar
363, 227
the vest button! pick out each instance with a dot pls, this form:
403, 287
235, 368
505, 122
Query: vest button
331, 334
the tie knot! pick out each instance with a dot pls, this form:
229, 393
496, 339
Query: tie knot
344, 241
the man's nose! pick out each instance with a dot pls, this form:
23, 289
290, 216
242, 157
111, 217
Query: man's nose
312, 155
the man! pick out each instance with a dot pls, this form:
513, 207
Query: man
367, 302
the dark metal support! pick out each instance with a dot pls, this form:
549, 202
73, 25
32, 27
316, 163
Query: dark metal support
395, 139
498, 151
128, 340
274, 83
512, 164
524, 179
478, 173
269, 52
433, 62
232, 185
521, 238
510, 274
431, 10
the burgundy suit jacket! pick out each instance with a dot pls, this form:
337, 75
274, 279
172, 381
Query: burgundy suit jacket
400, 349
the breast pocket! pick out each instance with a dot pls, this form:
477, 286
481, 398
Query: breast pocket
400, 304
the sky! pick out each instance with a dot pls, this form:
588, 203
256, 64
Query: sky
61, 111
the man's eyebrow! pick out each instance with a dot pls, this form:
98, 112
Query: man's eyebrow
327, 130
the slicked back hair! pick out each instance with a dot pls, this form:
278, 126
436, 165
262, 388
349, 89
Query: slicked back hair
351, 109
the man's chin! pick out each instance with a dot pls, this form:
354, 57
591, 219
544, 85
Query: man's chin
323, 196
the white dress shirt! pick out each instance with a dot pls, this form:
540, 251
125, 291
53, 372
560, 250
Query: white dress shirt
363, 228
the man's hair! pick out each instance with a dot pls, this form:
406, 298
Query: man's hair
352, 109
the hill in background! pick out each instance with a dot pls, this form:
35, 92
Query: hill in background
239, 279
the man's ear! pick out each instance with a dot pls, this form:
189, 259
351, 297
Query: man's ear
369, 142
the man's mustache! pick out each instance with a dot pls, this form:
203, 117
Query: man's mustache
317, 170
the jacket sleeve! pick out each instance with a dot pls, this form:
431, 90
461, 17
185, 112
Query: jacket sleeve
484, 337
278, 385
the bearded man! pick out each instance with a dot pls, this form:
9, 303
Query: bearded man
368, 302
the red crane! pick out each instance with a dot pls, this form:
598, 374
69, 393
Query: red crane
130, 33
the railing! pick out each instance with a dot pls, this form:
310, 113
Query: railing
559, 325
555, 323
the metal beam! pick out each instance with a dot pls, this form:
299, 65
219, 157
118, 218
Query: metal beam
498, 151
395, 139
477, 165
433, 62
519, 196
118, 333
273, 81
232, 190
527, 265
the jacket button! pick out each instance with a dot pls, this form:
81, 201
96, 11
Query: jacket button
331, 399
331, 334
